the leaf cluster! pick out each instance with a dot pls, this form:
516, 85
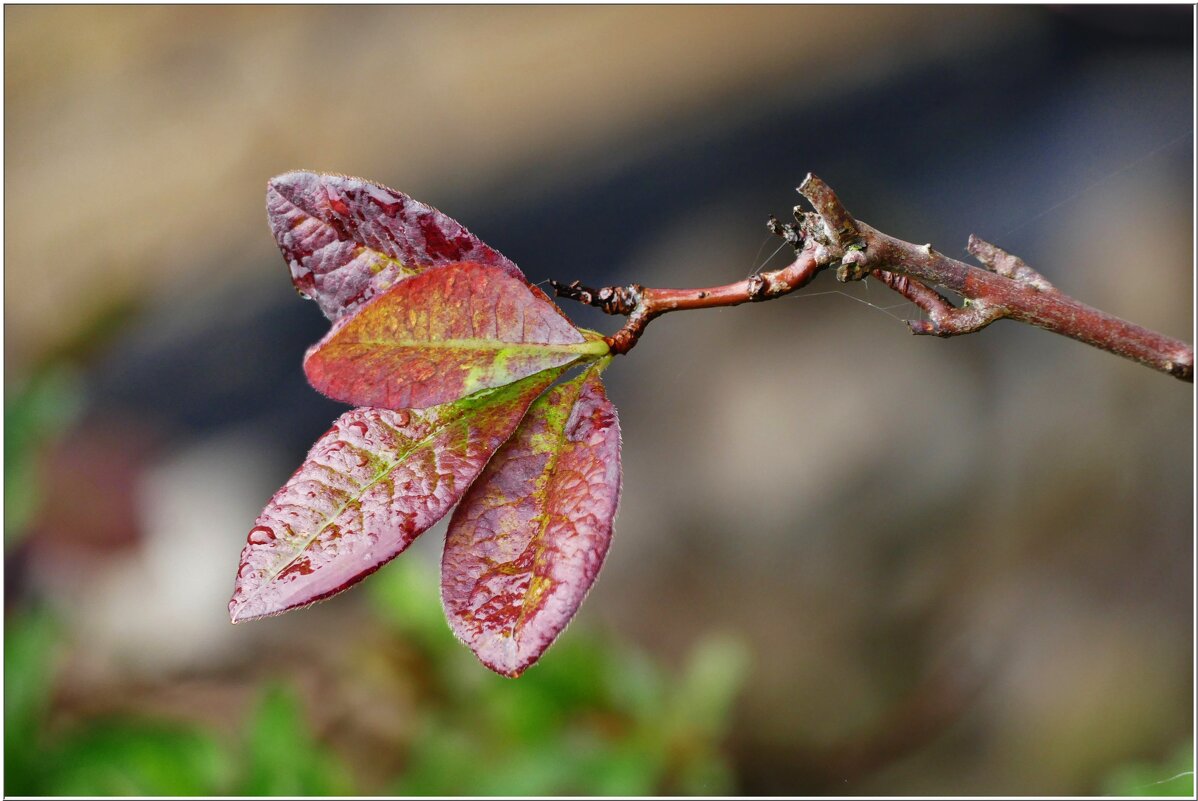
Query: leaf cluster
451, 357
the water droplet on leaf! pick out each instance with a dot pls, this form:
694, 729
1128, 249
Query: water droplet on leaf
261, 535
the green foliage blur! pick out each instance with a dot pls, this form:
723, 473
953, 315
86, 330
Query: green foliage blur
35, 411
40, 406
592, 718
137, 756
1171, 777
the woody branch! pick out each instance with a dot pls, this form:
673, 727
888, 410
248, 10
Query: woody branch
831, 238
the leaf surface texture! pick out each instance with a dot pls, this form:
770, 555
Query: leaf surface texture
346, 239
527, 541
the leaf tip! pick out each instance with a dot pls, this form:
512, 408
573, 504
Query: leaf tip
508, 672
238, 612
287, 188
507, 662
290, 178
248, 603
235, 615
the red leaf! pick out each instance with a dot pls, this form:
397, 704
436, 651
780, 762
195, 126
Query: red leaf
369, 487
347, 239
442, 335
529, 538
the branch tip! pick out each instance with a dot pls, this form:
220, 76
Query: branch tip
840, 225
574, 291
997, 260
787, 231
621, 300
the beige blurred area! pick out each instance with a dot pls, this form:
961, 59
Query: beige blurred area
957, 566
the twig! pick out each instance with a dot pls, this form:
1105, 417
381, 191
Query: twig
641, 304
830, 237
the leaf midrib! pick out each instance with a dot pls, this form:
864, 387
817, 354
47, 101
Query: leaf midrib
583, 347
550, 494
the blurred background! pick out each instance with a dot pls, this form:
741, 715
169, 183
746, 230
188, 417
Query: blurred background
846, 560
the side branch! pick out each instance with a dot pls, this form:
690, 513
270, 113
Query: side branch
830, 237
945, 320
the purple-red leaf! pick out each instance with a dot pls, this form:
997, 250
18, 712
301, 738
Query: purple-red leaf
442, 335
528, 539
347, 239
368, 487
